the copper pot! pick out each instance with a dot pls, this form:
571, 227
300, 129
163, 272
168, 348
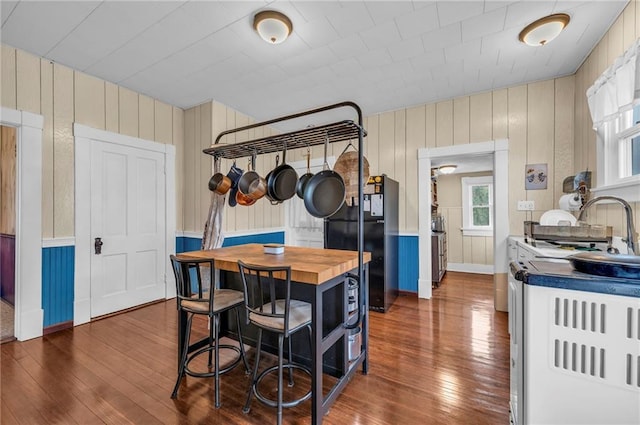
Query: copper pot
219, 183
244, 200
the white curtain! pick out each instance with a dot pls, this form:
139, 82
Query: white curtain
617, 89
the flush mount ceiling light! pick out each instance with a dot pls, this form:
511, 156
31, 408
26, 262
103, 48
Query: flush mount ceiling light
272, 26
447, 169
542, 31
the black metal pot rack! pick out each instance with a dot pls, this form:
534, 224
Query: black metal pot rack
307, 137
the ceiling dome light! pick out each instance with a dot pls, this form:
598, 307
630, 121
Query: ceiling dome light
447, 169
272, 26
542, 31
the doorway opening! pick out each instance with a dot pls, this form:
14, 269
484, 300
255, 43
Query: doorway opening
125, 222
498, 149
7, 231
300, 227
28, 314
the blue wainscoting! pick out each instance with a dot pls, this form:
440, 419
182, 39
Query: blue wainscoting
184, 243
408, 266
58, 270
57, 284
407, 245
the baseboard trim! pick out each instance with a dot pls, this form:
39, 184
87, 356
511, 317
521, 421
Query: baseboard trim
57, 327
127, 310
402, 293
470, 268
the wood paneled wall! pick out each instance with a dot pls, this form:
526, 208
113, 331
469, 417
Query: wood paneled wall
202, 124
537, 119
7, 180
622, 34
64, 96
461, 249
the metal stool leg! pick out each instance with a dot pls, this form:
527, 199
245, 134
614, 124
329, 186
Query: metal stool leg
280, 356
216, 323
211, 325
183, 360
247, 405
290, 362
242, 352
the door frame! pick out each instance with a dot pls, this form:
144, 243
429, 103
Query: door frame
82, 144
500, 150
29, 315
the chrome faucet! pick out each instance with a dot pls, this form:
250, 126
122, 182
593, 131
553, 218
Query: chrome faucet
632, 237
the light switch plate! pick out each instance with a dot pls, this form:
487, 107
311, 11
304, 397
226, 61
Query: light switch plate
526, 205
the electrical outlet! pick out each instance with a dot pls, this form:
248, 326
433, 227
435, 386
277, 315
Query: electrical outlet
526, 205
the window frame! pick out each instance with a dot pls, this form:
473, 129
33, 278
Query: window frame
468, 228
613, 139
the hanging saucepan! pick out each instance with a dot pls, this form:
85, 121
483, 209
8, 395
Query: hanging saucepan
251, 184
304, 179
282, 180
244, 200
325, 192
219, 183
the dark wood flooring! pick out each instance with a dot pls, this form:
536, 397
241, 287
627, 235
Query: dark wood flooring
438, 361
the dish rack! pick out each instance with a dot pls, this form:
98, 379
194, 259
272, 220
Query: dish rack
533, 231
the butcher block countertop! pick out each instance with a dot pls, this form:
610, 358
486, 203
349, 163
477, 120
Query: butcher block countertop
308, 265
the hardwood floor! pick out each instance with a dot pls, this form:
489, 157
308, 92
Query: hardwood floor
438, 361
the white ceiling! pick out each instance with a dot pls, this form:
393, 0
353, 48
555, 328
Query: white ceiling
466, 163
382, 55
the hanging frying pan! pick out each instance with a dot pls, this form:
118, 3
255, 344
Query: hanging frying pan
304, 179
324, 194
281, 184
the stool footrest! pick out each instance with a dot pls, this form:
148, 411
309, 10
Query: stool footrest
212, 373
274, 403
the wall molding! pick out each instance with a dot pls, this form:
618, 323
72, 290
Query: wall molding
58, 242
237, 233
29, 313
499, 149
470, 268
84, 138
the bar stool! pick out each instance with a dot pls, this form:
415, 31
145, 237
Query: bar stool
195, 297
282, 316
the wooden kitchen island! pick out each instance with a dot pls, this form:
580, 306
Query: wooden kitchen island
320, 277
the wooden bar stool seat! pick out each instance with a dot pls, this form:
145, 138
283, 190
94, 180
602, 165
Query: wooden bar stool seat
196, 297
271, 312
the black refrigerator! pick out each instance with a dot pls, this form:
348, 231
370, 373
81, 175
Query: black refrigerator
380, 237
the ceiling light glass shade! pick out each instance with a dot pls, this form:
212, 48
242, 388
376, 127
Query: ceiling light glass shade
544, 30
447, 169
272, 26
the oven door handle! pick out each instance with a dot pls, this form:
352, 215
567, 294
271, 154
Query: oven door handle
517, 270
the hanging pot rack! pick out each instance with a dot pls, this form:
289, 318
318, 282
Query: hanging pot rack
311, 136
304, 138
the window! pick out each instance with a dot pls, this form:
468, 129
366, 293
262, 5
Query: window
619, 155
614, 104
477, 206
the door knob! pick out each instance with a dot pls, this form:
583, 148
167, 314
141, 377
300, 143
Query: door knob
98, 245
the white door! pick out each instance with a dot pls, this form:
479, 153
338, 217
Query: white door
301, 228
128, 215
